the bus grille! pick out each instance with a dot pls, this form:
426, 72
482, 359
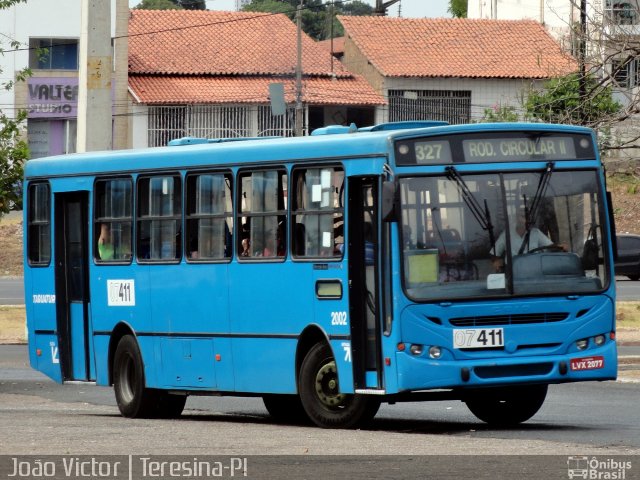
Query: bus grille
518, 319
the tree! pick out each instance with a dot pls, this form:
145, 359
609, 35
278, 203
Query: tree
500, 113
559, 101
458, 8
318, 18
13, 149
158, 5
191, 4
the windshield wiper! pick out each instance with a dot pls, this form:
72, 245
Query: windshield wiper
483, 217
531, 212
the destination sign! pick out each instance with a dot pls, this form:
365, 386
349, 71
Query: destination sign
487, 147
505, 149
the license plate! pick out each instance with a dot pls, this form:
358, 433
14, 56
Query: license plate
478, 338
587, 363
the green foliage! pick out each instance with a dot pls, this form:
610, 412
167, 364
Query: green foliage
559, 102
13, 153
458, 8
192, 4
158, 5
318, 18
13, 149
9, 3
500, 114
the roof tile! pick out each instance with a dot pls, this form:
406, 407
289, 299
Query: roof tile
202, 42
440, 47
154, 89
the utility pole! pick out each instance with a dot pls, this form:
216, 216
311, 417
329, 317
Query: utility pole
582, 80
94, 83
299, 108
381, 7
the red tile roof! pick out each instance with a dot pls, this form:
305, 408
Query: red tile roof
201, 42
156, 90
338, 44
439, 47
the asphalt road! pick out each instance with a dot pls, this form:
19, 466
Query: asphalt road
11, 291
42, 417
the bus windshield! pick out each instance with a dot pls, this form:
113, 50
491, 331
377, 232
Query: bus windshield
486, 235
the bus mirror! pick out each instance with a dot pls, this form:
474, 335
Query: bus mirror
612, 227
388, 207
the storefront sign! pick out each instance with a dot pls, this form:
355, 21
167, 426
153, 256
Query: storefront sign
52, 97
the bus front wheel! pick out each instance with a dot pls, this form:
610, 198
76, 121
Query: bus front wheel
321, 397
134, 399
507, 406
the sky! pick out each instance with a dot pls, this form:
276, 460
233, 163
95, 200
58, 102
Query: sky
410, 8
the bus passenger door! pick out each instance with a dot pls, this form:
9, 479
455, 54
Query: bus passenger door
363, 285
72, 285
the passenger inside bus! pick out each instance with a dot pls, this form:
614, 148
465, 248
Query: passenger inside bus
522, 241
105, 246
246, 251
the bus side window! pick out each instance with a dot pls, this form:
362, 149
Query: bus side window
39, 224
209, 216
318, 212
262, 208
159, 218
113, 222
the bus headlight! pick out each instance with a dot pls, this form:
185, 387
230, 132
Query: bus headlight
416, 349
599, 340
435, 352
582, 344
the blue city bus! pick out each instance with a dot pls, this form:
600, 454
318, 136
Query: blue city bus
327, 274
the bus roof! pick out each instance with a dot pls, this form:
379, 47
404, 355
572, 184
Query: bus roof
337, 143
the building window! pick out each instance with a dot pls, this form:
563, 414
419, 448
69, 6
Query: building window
318, 212
209, 216
626, 73
51, 137
622, 13
53, 54
263, 213
453, 106
159, 218
39, 224
113, 220
168, 123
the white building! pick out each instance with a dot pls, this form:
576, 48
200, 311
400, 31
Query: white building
51, 95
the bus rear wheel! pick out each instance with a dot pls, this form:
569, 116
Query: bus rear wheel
134, 399
285, 408
321, 397
507, 406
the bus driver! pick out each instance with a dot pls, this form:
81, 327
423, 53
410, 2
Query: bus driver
521, 241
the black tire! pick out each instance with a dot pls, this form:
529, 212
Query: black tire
168, 405
286, 408
507, 406
321, 398
133, 398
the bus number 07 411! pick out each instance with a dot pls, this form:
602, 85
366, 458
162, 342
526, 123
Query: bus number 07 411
478, 338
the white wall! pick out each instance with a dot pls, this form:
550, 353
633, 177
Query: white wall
555, 14
485, 93
140, 125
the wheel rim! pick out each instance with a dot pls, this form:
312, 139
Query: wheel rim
326, 386
127, 378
